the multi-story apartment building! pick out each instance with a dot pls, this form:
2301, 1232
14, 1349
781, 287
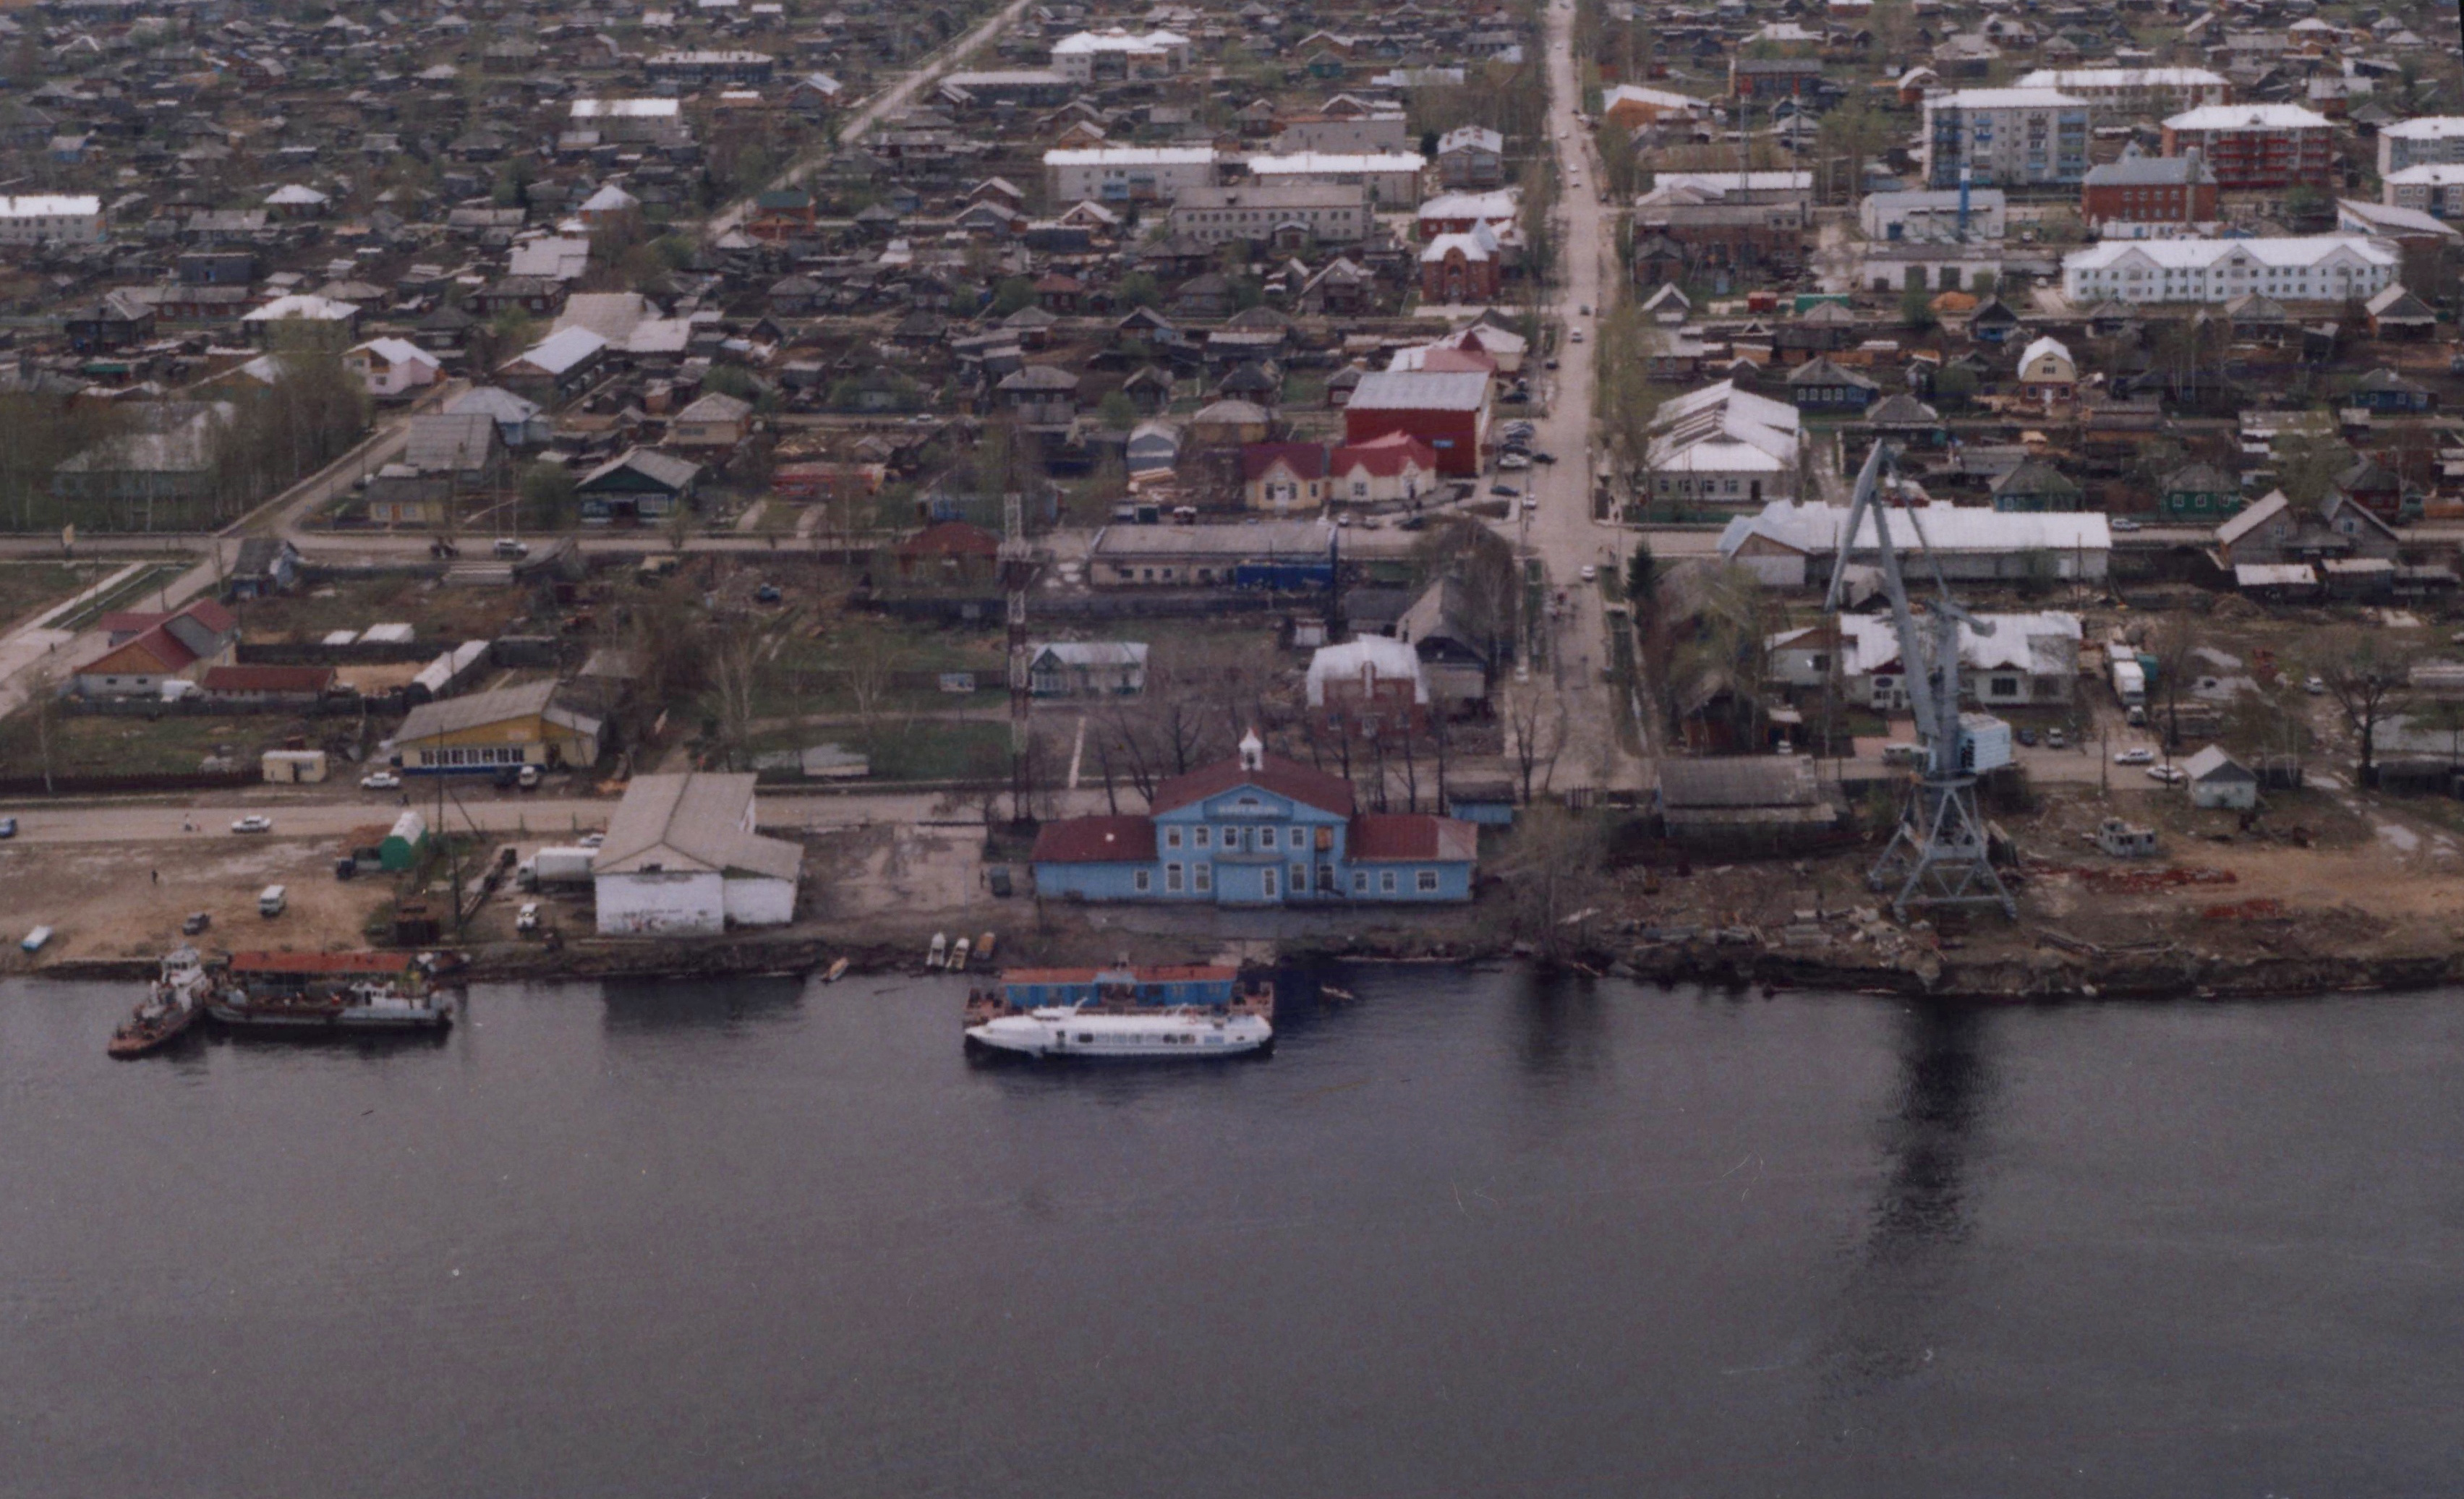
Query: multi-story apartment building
2436, 190
76, 220
2137, 91
1095, 56
2433, 139
2305, 269
1126, 174
2258, 146
2005, 138
1256, 212
2150, 190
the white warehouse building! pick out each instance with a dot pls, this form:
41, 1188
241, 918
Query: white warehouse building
2313, 267
681, 859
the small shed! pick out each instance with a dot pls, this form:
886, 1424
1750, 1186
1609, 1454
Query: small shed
402, 843
2217, 779
290, 766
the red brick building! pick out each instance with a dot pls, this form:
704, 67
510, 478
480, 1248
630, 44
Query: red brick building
2150, 190
2263, 146
1449, 411
1461, 268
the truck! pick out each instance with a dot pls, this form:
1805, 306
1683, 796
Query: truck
556, 867
2129, 682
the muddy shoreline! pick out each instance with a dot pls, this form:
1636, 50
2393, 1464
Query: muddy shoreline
1729, 959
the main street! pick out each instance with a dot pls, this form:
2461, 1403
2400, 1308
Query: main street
1561, 530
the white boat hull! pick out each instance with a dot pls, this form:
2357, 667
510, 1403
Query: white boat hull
1173, 1035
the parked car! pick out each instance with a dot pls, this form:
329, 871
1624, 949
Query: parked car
1540, 457
197, 921
2316, 687
1530, 502
591, 840
1548, 363
2141, 755
2027, 736
8, 827
527, 919
1515, 461
1575, 336
1503, 491
2122, 524
1589, 573
253, 823
767, 593
507, 546
2170, 775
379, 780
528, 779
2056, 739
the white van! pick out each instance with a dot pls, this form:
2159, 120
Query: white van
271, 901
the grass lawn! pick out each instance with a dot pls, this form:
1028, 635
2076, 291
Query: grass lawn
27, 589
110, 745
431, 611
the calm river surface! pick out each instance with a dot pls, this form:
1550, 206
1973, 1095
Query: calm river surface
1474, 1233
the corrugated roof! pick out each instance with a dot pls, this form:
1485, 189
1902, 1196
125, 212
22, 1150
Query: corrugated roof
1418, 391
692, 822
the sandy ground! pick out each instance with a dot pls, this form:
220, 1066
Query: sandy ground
127, 900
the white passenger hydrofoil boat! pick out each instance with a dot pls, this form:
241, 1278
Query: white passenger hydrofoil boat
1075, 1032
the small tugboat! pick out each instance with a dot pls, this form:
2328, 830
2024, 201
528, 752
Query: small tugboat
171, 1007
1076, 1031
316, 993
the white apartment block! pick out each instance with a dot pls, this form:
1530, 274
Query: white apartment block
2148, 91
2432, 140
2006, 137
50, 219
1259, 211
1118, 53
1126, 174
2316, 268
2435, 189
1392, 178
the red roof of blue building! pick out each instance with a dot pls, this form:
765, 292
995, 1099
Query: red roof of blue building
1095, 840
1285, 778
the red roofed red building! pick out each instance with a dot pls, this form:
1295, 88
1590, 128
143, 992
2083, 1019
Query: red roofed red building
145, 651
1449, 411
1283, 476
949, 550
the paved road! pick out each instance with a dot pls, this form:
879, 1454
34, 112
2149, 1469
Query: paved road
483, 808
1561, 531
878, 108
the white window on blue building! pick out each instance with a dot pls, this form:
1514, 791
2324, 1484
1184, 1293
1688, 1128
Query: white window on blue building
1143, 881
1204, 878
1300, 879
1172, 879
1202, 835
1385, 882
1172, 837
1428, 882
1360, 882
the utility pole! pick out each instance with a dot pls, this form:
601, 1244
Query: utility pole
1017, 573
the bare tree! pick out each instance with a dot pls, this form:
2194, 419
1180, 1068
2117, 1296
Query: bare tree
1552, 872
734, 667
1536, 730
2174, 643
869, 667
2366, 674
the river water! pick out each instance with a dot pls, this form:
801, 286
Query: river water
1472, 1233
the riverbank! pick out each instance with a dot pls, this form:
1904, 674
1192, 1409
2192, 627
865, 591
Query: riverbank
2017, 965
